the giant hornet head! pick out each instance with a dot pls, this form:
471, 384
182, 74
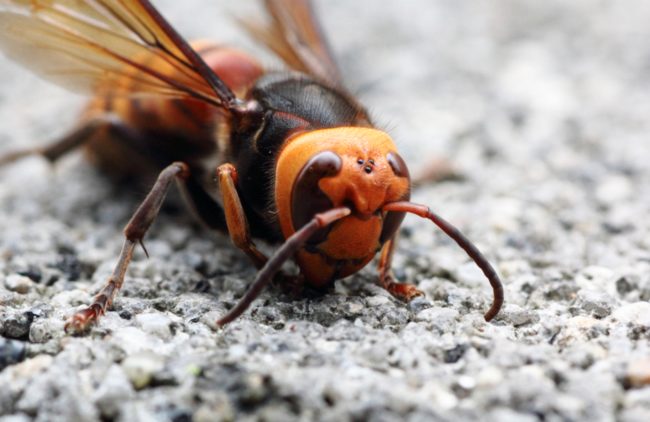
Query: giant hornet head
341, 193
353, 167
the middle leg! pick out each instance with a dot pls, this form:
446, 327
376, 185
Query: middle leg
134, 233
402, 291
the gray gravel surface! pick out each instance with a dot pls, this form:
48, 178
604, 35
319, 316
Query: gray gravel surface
544, 110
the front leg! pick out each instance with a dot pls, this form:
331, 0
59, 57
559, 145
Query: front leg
235, 216
402, 291
134, 233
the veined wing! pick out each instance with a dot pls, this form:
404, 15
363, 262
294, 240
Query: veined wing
295, 36
85, 45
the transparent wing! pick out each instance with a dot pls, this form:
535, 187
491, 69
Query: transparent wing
295, 36
87, 45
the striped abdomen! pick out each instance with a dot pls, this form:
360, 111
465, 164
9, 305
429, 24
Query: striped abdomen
159, 130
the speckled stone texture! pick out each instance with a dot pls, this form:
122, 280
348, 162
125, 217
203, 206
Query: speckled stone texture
543, 108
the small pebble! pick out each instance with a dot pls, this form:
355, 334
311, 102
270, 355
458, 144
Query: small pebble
11, 352
518, 316
614, 189
597, 304
114, 390
442, 318
633, 313
638, 373
156, 324
18, 283
17, 325
419, 304
377, 300
140, 368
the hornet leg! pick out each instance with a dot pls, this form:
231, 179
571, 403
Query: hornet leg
79, 136
134, 233
235, 216
400, 290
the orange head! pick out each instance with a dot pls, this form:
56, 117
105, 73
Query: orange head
354, 167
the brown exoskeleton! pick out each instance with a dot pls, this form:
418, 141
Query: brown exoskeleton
297, 160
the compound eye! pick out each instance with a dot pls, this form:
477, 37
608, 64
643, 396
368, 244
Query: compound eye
397, 164
392, 219
307, 199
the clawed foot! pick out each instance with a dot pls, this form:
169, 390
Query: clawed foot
403, 291
82, 320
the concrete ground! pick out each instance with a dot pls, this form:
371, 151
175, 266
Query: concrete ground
543, 108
